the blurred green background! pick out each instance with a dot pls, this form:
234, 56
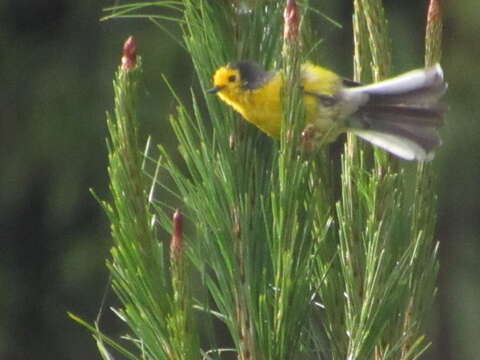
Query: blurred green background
56, 67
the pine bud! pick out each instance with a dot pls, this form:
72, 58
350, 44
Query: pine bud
176, 242
433, 34
129, 55
433, 11
291, 20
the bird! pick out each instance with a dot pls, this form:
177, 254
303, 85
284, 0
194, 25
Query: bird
401, 115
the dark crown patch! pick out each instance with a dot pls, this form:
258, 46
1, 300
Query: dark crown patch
252, 74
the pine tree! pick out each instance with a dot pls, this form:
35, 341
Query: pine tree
300, 255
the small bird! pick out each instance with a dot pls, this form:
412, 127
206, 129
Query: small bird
401, 115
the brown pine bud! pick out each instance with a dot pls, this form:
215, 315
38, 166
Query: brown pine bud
129, 55
176, 242
433, 11
291, 20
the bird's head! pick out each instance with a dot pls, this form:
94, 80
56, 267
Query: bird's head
227, 80
232, 80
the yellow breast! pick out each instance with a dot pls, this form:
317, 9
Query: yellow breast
261, 106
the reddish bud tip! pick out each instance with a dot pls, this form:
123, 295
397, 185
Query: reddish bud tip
307, 134
433, 11
176, 242
291, 18
129, 55
307, 137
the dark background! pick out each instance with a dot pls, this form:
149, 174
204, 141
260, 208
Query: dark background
56, 67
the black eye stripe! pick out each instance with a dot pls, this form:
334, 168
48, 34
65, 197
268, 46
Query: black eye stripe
232, 78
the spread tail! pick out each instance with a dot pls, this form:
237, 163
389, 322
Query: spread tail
401, 115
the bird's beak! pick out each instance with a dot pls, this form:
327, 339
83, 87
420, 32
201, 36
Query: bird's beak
215, 89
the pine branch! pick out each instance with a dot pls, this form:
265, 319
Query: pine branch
425, 200
387, 265
154, 305
255, 255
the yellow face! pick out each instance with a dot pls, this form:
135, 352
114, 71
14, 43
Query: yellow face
252, 92
227, 82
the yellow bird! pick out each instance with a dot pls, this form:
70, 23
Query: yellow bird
401, 115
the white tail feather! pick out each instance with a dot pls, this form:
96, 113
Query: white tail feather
401, 115
409, 81
401, 147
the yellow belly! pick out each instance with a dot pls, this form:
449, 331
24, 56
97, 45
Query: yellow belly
266, 113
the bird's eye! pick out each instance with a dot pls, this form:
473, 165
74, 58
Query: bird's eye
232, 78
